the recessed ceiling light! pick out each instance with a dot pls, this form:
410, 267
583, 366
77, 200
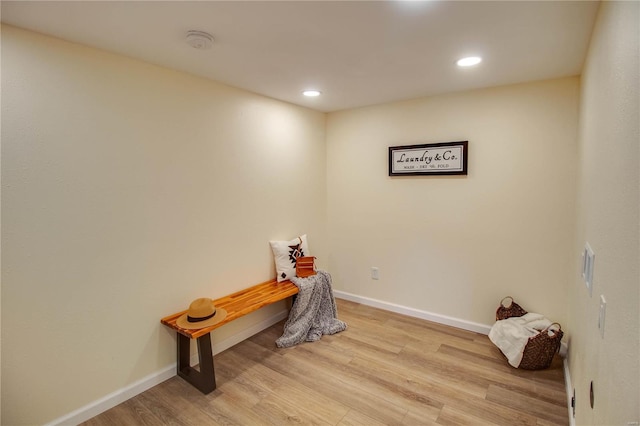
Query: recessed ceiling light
199, 39
469, 61
311, 93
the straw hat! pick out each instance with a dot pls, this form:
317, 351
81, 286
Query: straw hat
201, 313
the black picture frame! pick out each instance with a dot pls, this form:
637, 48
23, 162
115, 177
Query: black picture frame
435, 159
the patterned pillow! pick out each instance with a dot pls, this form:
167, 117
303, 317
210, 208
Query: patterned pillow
285, 254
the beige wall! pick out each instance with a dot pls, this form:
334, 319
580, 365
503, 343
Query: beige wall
456, 245
129, 190
608, 218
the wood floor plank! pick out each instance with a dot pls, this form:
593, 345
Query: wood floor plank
454, 417
135, 412
97, 421
325, 381
353, 346
293, 391
202, 411
163, 408
542, 409
480, 407
245, 389
385, 369
328, 350
119, 415
541, 393
419, 327
542, 422
377, 335
231, 409
356, 310
441, 387
417, 419
186, 401
471, 371
447, 372
356, 418
352, 390
400, 388
325, 408
481, 345
266, 380
278, 411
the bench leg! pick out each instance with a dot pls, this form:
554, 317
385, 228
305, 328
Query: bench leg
205, 379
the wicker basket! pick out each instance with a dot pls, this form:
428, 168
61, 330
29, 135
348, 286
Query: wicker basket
514, 310
540, 349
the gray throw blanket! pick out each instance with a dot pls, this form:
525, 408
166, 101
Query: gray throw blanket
313, 313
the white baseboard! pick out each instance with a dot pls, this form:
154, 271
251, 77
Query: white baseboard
416, 313
121, 395
569, 390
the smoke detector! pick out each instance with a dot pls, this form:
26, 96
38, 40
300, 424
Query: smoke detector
199, 39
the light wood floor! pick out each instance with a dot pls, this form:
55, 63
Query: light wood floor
385, 369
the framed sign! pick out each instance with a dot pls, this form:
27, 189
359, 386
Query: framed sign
446, 158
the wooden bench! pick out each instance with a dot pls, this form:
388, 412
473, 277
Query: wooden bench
237, 305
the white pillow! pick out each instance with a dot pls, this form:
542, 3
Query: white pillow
285, 254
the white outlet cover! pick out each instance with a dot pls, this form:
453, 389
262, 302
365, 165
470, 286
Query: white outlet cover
375, 273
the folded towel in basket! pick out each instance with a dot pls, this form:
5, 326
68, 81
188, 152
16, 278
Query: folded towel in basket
511, 335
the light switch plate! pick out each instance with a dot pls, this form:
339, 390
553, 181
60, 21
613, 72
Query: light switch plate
601, 315
588, 259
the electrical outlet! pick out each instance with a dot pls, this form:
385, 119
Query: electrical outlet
601, 315
375, 273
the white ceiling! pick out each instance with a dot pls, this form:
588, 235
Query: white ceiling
357, 53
